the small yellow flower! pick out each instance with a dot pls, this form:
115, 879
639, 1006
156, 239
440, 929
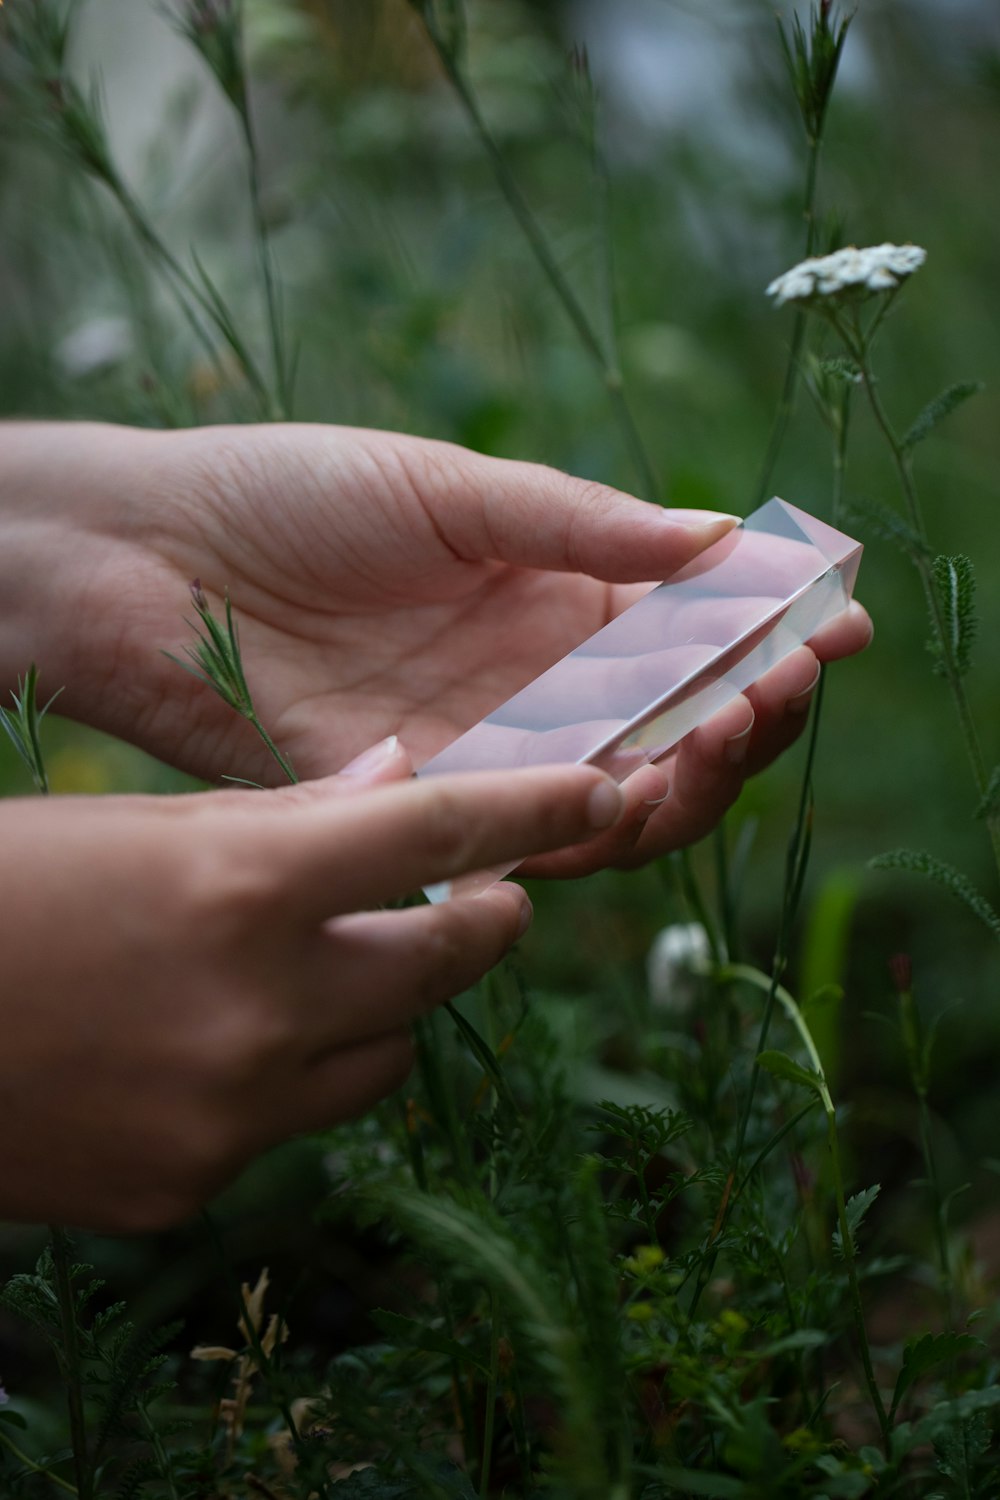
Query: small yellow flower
645, 1258
640, 1312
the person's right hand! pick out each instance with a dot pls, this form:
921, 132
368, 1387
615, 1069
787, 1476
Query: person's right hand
189, 980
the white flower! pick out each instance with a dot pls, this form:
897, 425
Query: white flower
679, 956
94, 346
877, 268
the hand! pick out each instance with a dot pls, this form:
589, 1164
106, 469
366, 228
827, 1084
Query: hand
383, 584
189, 980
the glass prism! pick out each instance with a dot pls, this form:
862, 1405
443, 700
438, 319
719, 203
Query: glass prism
627, 695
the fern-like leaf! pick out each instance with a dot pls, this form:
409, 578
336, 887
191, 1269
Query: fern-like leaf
942, 406
918, 862
884, 523
955, 586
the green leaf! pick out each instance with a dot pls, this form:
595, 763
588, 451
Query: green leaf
918, 862
945, 1414
14, 1419
942, 406
783, 1066
411, 1334
694, 1482
955, 586
922, 1354
855, 1210
958, 1449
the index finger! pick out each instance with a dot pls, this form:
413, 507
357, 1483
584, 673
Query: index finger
387, 842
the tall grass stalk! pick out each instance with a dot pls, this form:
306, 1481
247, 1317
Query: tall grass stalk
607, 366
812, 63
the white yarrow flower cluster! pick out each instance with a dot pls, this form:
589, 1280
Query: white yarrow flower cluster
679, 957
877, 268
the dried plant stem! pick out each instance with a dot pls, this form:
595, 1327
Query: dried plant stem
261, 1358
608, 369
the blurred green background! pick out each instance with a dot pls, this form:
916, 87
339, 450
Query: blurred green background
417, 306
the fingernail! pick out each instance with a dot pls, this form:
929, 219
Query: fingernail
695, 519
648, 806
370, 760
801, 701
738, 744
524, 920
604, 805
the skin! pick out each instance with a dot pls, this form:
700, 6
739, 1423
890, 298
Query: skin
220, 981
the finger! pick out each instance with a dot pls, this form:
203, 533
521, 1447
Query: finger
706, 775
781, 701
644, 791
850, 632
374, 972
537, 517
346, 853
346, 1083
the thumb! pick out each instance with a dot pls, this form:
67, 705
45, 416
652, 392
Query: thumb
537, 517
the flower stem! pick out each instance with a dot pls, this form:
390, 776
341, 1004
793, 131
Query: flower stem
858, 344
786, 402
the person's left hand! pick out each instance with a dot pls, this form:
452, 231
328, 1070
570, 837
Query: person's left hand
382, 585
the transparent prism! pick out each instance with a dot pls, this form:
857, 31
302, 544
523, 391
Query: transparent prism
627, 695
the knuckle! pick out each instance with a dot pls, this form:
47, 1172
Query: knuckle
228, 896
451, 835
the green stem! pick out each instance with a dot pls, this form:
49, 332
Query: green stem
265, 261
160, 1453
850, 1261
937, 1201
542, 251
71, 1360
786, 402
36, 1468
283, 762
185, 287
795, 868
858, 346
491, 1398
